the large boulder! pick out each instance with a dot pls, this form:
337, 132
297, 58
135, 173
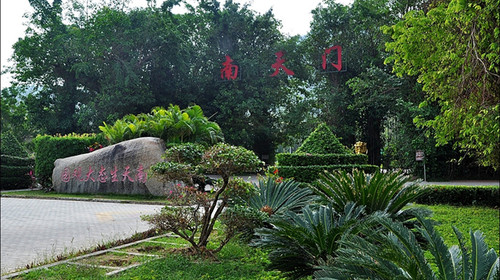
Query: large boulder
118, 169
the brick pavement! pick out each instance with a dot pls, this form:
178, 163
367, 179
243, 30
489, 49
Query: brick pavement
34, 230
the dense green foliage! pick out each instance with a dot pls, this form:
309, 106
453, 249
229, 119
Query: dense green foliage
173, 125
465, 218
227, 160
320, 151
453, 50
300, 242
322, 141
49, 148
195, 219
303, 159
14, 114
15, 172
395, 253
94, 64
15, 164
462, 195
274, 197
84, 64
189, 153
11, 146
311, 173
386, 192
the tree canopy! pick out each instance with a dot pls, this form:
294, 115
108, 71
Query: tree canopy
453, 49
87, 63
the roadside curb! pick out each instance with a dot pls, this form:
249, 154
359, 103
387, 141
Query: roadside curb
84, 199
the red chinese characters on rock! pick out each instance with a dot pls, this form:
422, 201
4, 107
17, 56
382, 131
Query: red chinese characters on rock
230, 71
102, 176
279, 65
337, 65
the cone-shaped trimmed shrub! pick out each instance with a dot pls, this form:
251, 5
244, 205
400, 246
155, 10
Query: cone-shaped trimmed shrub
322, 141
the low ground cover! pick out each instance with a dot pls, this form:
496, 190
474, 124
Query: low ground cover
466, 218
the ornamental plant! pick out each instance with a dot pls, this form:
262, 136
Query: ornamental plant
395, 253
173, 125
195, 222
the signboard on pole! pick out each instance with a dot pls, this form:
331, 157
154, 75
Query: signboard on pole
419, 155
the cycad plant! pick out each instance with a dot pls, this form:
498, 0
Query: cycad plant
278, 197
392, 252
388, 192
300, 242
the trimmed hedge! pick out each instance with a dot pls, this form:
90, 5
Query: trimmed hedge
16, 161
303, 159
322, 141
462, 195
49, 148
14, 172
11, 146
12, 183
310, 173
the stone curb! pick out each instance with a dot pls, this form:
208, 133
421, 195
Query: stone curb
84, 199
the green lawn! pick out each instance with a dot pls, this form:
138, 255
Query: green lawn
466, 218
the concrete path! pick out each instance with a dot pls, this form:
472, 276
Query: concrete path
34, 230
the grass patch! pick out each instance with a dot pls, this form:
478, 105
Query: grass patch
114, 259
65, 271
43, 194
466, 218
236, 261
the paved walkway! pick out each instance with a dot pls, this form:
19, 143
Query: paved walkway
34, 230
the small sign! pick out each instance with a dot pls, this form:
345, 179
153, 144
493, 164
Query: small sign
419, 155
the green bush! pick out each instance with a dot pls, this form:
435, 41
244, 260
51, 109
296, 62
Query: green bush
310, 173
388, 192
49, 148
322, 141
320, 151
189, 153
462, 195
14, 172
173, 125
10, 145
16, 161
303, 159
11, 183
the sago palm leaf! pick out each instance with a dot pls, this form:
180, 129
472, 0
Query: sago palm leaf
298, 242
394, 254
277, 198
388, 192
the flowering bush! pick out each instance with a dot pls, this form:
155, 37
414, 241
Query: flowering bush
95, 146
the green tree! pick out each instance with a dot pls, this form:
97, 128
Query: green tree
453, 50
354, 102
14, 114
43, 59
